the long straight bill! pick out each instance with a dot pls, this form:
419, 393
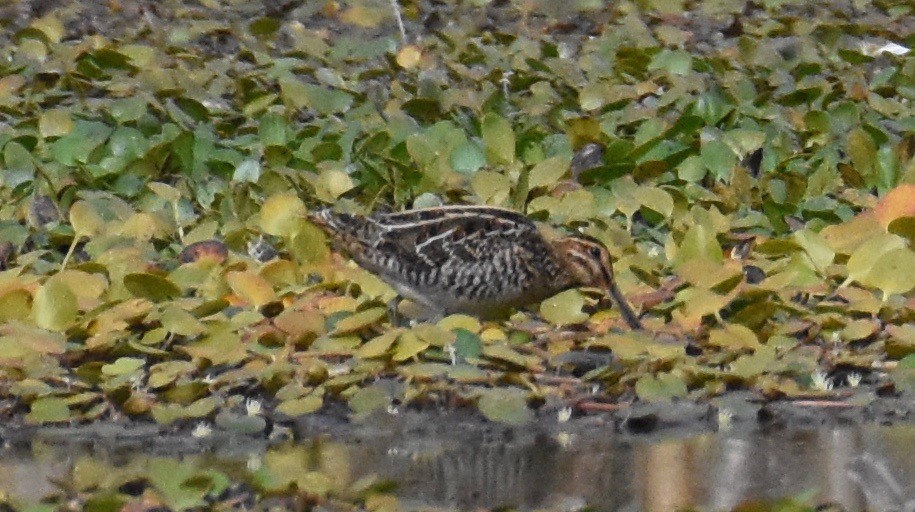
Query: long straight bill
625, 309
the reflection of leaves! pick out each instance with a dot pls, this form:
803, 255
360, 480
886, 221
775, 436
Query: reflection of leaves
151, 146
182, 486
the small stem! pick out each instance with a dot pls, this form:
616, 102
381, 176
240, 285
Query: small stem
63, 264
178, 222
399, 18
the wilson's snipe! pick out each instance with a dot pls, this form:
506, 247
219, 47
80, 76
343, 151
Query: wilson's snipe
471, 259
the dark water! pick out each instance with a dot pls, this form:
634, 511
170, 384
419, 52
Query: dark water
859, 468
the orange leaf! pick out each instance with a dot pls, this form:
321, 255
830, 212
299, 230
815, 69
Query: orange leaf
899, 202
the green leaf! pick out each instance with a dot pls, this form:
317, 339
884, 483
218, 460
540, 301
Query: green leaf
862, 150
331, 184
128, 143
272, 130
675, 62
55, 123
325, 101
656, 199
151, 286
492, 187
409, 345
505, 354
20, 167
48, 410
367, 400
75, 147
505, 406
816, 248
752, 365
548, 172
172, 479
123, 366
733, 337
85, 219
564, 308
247, 171
663, 387
467, 158
467, 344
499, 139
301, 406
718, 158
699, 243
128, 109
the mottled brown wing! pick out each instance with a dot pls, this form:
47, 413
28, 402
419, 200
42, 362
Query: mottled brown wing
462, 240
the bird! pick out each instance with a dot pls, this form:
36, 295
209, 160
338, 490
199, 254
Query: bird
477, 260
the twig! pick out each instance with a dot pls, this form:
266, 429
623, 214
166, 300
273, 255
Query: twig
399, 18
600, 406
557, 379
824, 403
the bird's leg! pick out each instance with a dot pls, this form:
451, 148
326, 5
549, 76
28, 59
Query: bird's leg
625, 309
416, 311
393, 315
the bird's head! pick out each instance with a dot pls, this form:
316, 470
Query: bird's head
589, 264
586, 260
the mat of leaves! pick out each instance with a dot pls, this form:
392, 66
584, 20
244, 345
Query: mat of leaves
748, 165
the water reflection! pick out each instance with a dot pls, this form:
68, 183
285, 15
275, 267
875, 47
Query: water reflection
857, 468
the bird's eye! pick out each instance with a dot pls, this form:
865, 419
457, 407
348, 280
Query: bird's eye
595, 252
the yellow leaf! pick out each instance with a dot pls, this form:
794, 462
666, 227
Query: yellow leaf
362, 16
55, 123
409, 345
331, 184
733, 336
167, 192
359, 321
280, 214
253, 288
379, 345
656, 199
85, 220
409, 56
55, 306
892, 272
866, 256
